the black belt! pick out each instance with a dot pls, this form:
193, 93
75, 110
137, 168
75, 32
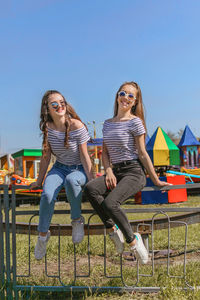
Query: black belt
124, 163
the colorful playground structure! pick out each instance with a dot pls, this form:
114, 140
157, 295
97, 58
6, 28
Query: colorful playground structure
162, 151
189, 149
168, 157
158, 197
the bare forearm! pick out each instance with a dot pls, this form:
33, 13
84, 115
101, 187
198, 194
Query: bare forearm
111, 180
43, 169
87, 165
106, 159
146, 162
106, 162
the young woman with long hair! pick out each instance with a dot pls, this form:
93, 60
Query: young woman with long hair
124, 158
66, 137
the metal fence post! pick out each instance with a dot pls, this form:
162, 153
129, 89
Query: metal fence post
2, 266
14, 259
7, 234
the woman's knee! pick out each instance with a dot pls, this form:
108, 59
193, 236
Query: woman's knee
75, 180
110, 206
90, 189
47, 197
72, 182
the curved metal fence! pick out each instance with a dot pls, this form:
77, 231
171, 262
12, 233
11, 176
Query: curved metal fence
9, 228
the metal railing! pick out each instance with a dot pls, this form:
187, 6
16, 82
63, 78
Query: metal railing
9, 228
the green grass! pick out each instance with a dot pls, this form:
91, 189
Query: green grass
171, 288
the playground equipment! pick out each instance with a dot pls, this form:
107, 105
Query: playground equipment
189, 149
21, 181
193, 174
3, 174
9, 273
162, 151
157, 197
190, 178
95, 152
26, 162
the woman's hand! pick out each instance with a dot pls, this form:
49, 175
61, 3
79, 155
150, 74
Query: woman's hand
34, 185
86, 162
111, 180
162, 183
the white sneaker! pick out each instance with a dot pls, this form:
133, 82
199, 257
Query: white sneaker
117, 238
139, 249
41, 246
78, 230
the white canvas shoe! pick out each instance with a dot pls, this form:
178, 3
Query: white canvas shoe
139, 250
78, 230
41, 246
117, 238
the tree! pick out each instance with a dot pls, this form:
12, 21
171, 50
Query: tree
180, 133
172, 136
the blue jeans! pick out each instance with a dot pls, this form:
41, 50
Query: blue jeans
72, 178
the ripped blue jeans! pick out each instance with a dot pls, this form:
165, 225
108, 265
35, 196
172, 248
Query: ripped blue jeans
72, 178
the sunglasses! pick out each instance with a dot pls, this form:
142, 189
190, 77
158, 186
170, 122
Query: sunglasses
124, 94
55, 104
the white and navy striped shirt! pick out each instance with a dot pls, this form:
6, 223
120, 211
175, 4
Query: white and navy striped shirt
71, 155
119, 139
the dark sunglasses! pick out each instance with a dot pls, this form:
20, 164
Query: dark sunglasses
56, 104
124, 94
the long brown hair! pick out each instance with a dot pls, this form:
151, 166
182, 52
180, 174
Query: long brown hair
137, 109
45, 117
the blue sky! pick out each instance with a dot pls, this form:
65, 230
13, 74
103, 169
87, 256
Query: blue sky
86, 49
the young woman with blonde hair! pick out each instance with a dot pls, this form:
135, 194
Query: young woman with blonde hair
124, 158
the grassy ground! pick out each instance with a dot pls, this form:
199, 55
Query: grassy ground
170, 287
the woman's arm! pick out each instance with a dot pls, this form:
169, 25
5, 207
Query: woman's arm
44, 163
146, 161
111, 180
85, 160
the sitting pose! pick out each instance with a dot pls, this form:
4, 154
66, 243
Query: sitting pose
66, 137
124, 157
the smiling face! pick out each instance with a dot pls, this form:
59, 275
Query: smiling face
56, 105
128, 99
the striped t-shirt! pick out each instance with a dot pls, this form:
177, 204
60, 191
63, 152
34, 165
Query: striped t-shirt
67, 156
119, 139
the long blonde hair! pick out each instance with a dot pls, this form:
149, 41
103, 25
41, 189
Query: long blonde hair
45, 117
137, 109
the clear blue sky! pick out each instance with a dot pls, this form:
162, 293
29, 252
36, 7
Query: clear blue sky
86, 49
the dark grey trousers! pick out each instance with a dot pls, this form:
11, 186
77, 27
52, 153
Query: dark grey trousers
130, 180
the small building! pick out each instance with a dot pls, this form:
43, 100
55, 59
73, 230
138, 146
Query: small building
189, 149
27, 162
